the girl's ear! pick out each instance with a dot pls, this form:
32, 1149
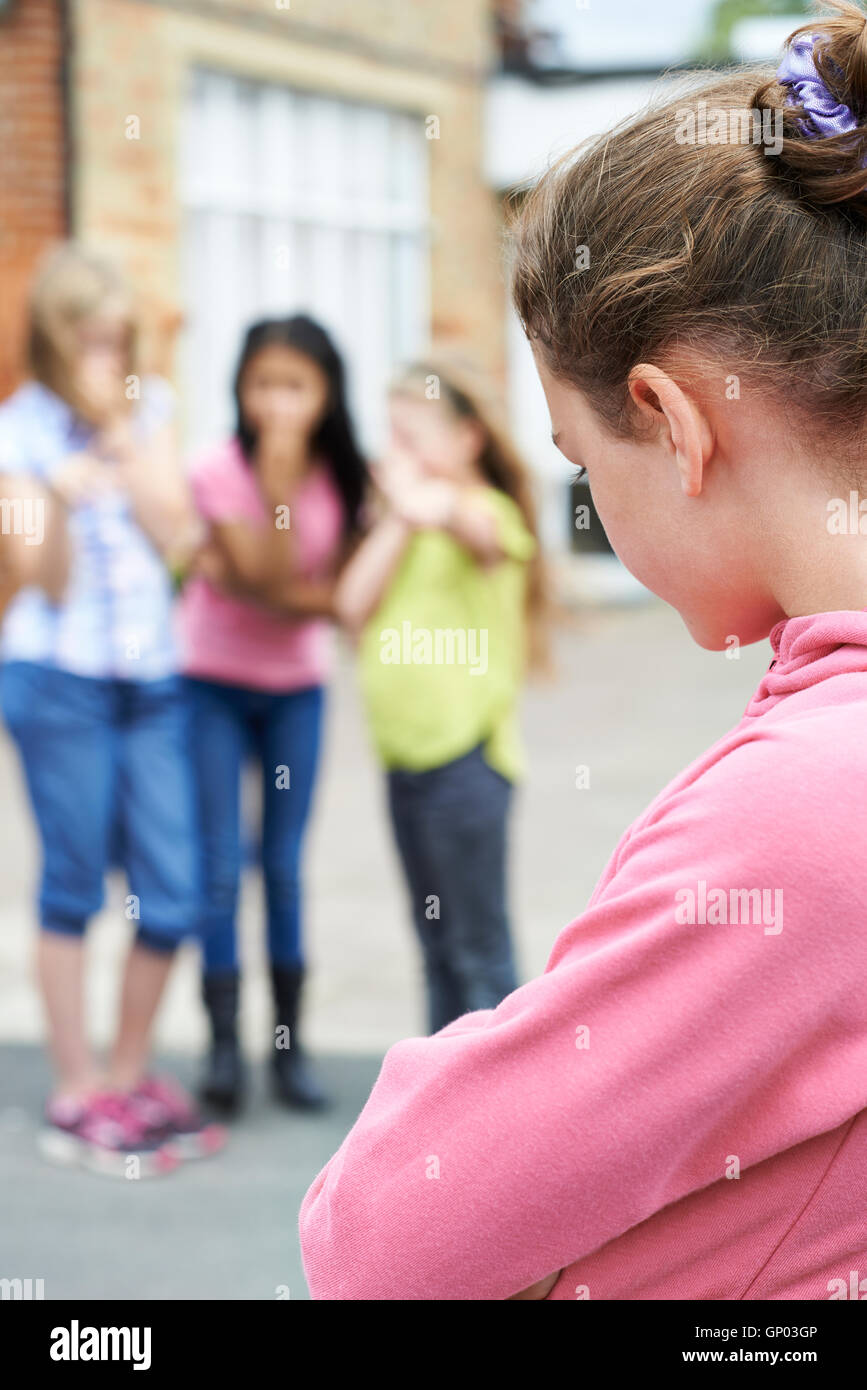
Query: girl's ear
682, 425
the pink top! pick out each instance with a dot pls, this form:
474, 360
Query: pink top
597, 1120
231, 640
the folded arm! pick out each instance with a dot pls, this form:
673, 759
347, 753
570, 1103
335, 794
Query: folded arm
517, 1141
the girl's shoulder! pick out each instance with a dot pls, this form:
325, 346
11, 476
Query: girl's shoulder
25, 398
222, 482
221, 460
34, 423
514, 535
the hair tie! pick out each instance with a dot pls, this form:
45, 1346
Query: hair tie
798, 72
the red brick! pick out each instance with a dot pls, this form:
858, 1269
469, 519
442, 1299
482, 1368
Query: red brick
31, 162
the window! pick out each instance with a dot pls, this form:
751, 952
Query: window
296, 202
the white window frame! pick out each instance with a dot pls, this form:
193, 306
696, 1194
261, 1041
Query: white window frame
300, 201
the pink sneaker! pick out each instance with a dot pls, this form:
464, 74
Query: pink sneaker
164, 1105
104, 1133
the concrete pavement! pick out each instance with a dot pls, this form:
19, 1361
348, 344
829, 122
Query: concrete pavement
634, 702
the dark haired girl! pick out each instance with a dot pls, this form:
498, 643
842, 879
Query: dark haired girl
281, 498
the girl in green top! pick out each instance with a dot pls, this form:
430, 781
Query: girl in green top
443, 596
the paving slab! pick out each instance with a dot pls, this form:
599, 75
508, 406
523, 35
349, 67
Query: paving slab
634, 702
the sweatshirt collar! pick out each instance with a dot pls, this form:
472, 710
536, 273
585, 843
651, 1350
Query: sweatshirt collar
808, 650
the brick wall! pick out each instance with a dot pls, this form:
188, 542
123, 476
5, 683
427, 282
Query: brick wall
32, 201
457, 33
133, 58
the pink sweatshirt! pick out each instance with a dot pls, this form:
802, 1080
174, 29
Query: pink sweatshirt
676, 1107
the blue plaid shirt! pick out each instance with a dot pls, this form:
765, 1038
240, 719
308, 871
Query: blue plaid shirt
115, 618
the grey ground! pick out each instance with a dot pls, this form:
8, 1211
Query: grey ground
634, 702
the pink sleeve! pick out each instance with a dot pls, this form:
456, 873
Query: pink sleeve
513, 1143
220, 494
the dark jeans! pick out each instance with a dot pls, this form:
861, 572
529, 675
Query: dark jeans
450, 827
282, 731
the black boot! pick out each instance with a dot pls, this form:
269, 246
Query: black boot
223, 1084
294, 1082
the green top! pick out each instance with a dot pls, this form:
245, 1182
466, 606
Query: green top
442, 658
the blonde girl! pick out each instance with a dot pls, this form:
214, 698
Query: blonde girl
91, 697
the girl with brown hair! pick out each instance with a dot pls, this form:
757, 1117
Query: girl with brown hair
445, 594
677, 1107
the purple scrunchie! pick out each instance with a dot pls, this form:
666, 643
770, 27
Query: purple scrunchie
799, 73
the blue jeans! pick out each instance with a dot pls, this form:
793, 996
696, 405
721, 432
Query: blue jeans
283, 732
450, 827
107, 768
